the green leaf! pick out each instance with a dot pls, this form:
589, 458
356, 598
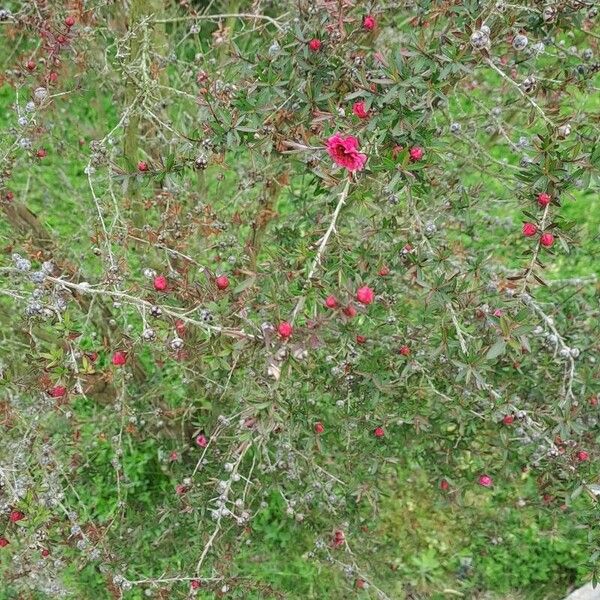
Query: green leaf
496, 350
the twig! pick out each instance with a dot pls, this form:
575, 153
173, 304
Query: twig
323, 244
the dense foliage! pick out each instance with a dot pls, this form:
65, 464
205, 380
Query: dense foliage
299, 299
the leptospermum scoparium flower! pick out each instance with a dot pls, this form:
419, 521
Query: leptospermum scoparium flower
344, 152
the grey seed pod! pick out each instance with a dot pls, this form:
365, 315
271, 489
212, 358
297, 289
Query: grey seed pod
549, 14
176, 343
520, 42
480, 40
529, 84
564, 131
149, 334
38, 277
40, 94
430, 229
201, 162
22, 264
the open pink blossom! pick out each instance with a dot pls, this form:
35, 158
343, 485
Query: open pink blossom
344, 152
485, 480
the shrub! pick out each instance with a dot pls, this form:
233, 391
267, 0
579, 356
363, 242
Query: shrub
262, 271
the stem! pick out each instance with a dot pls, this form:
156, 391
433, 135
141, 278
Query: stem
323, 244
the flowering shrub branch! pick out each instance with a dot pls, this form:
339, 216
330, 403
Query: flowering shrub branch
263, 265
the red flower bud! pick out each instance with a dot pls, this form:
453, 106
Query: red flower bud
358, 108
365, 295
369, 22
285, 330
544, 199
582, 456
416, 153
349, 311
119, 358
315, 45
160, 283
331, 302
222, 282
15, 516
58, 391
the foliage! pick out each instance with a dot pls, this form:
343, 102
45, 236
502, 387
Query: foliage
240, 362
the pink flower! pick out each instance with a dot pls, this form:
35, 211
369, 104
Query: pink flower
344, 152
315, 45
416, 153
202, 441
358, 108
485, 480
582, 456
529, 229
365, 295
369, 22
378, 432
